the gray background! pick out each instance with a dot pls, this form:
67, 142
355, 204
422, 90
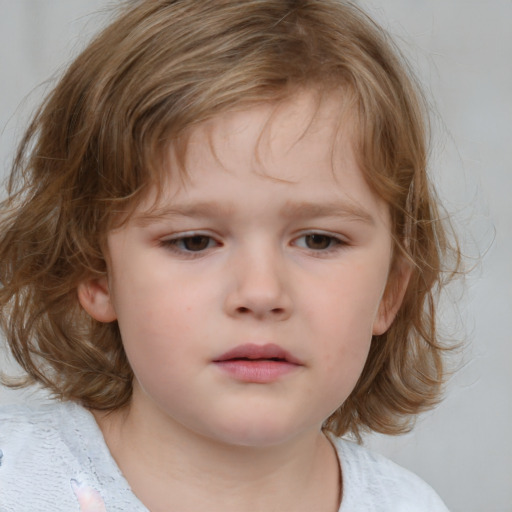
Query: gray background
462, 51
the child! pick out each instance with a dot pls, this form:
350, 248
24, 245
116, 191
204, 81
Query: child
220, 251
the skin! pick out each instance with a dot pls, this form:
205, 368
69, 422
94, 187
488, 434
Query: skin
275, 237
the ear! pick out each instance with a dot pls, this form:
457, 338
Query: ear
393, 297
94, 296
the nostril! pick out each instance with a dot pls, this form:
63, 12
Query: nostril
274, 311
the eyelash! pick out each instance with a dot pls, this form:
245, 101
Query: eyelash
178, 244
335, 243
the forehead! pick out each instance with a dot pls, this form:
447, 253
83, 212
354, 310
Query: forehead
301, 149
263, 137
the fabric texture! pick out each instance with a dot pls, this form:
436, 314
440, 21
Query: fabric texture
54, 459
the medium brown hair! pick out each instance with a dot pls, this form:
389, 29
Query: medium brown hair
95, 147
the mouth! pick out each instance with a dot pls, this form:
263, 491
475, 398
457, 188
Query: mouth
257, 363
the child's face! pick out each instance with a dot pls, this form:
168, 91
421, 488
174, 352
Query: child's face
269, 252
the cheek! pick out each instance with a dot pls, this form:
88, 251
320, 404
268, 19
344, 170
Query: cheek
157, 341
340, 320
153, 317
345, 337
347, 304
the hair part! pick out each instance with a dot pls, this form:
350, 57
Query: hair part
96, 146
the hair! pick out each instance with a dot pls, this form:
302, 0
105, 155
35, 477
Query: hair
95, 146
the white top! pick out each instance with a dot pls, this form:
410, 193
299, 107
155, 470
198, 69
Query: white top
54, 459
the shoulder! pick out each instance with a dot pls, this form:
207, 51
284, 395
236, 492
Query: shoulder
373, 482
28, 414
37, 464
39, 427
23, 426
41, 467
54, 458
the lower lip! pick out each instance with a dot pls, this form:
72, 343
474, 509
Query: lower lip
257, 371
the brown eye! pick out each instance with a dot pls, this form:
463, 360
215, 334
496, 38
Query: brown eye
189, 246
196, 243
318, 242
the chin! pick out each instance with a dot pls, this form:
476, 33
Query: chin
258, 434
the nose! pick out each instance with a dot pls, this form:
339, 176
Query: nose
259, 286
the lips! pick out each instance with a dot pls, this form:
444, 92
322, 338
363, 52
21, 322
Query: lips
257, 363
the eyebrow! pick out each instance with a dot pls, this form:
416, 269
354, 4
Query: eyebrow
198, 210
291, 210
343, 209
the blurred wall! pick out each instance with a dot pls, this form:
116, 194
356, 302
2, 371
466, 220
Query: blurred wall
462, 52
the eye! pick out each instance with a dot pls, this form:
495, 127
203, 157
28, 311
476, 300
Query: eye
193, 243
320, 242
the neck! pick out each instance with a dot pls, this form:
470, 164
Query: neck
172, 468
